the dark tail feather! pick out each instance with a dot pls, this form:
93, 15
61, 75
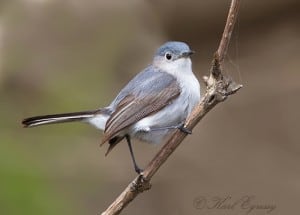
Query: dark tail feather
58, 118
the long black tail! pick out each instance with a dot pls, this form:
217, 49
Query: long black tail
58, 118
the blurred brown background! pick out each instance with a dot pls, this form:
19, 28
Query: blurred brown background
63, 56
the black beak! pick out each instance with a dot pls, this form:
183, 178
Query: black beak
187, 54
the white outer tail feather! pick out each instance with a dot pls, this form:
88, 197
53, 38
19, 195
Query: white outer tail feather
95, 118
57, 120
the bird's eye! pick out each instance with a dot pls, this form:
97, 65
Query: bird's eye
168, 56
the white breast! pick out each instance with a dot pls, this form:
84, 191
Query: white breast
176, 112
182, 70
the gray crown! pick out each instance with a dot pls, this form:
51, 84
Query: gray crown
173, 47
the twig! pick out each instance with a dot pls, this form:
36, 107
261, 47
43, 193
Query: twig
218, 88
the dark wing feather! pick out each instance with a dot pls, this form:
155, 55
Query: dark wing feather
133, 108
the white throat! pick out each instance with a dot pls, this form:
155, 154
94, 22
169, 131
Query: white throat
179, 67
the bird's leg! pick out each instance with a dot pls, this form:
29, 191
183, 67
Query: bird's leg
180, 127
184, 129
136, 167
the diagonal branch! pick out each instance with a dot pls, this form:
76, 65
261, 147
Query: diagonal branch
218, 88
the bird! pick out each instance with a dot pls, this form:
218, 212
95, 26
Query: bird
152, 104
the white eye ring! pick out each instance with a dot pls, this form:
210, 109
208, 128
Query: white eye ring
168, 56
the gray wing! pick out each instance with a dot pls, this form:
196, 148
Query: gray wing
148, 92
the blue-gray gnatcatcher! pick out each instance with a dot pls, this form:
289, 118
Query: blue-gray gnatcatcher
154, 102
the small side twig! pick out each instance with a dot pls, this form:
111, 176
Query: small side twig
218, 88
